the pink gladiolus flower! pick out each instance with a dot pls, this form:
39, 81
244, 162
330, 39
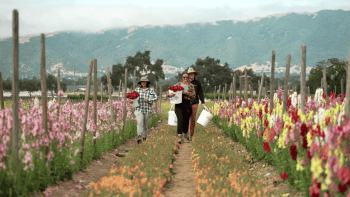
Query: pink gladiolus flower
60, 92
28, 158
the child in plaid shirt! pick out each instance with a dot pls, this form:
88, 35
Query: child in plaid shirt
144, 111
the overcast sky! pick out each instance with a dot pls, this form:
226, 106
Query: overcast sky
48, 16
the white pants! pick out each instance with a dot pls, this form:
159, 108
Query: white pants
142, 123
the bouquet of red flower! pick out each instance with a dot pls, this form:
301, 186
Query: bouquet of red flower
132, 95
175, 88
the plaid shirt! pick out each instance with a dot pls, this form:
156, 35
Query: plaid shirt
146, 107
191, 92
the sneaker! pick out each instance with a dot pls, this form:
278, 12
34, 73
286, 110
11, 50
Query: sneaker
186, 138
138, 139
180, 138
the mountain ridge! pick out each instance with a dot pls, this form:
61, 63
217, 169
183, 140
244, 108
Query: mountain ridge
239, 43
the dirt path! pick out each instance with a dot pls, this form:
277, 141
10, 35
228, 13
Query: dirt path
183, 184
94, 172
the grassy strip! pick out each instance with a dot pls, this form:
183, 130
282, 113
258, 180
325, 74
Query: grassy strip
219, 171
144, 171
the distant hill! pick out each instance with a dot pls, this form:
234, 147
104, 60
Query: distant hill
325, 33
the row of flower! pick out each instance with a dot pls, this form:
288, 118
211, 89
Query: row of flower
219, 171
145, 171
63, 140
311, 149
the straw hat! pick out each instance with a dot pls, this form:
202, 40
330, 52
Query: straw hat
144, 79
191, 70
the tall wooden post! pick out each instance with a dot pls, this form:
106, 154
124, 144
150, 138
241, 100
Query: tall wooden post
134, 82
15, 87
224, 95
240, 91
160, 99
303, 78
43, 88
111, 108
124, 108
246, 86
261, 87
214, 93
101, 93
286, 86
1, 93
120, 86
272, 80
219, 93
325, 83
341, 88
308, 91
234, 89
322, 83
156, 91
250, 90
58, 96
86, 110
347, 95
95, 97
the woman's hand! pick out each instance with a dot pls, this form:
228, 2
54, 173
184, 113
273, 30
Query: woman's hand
184, 92
146, 99
131, 102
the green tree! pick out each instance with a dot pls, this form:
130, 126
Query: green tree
143, 66
211, 73
335, 71
7, 84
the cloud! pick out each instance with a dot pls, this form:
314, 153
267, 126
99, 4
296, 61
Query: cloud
46, 18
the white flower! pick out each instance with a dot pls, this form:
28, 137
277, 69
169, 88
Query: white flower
318, 95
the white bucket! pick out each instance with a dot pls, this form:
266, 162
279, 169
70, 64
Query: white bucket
135, 103
172, 119
204, 118
177, 99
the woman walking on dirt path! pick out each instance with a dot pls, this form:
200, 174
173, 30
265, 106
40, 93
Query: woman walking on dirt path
199, 96
183, 110
144, 111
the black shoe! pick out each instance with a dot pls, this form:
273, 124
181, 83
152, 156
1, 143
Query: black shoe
144, 139
139, 139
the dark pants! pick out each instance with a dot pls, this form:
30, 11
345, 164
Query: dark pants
183, 113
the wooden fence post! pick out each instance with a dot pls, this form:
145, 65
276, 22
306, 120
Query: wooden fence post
161, 99
124, 109
250, 90
261, 87
341, 88
134, 80
58, 96
95, 100
246, 87
15, 87
325, 83
347, 95
86, 110
214, 93
240, 91
43, 89
156, 103
286, 86
120, 86
111, 108
225, 91
308, 91
1, 93
272, 80
322, 83
303, 78
234, 89
219, 93
101, 93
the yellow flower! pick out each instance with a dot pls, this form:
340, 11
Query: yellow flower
299, 165
316, 167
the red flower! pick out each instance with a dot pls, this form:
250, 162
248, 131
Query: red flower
295, 116
132, 95
314, 190
342, 187
304, 130
175, 88
289, 103
309, 154
304, 142
267, 147
293, 152
284, 176
344, 174
266, 123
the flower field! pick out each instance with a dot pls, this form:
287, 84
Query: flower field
311, 150
63, 140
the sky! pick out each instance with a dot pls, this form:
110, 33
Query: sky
48, 16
